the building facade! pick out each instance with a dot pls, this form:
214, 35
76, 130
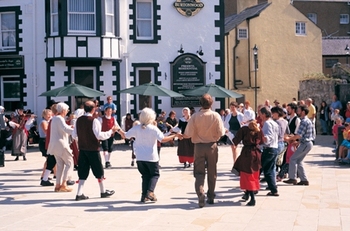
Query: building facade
289, 47
110, 45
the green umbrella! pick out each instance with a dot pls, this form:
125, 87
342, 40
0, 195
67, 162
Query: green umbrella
151, 89
213, 90
73, 89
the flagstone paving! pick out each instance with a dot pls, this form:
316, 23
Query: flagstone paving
322, 206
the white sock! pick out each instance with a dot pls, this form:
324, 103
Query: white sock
107, 154
100, 183
80, 187
46, 175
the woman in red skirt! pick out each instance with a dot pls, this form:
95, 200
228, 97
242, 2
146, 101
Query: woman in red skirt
248, 163
185, 149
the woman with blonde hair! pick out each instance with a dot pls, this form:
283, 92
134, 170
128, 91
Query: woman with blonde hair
185, 149
146, 135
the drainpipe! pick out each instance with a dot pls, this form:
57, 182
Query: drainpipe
34, 73
234, 60
249, 75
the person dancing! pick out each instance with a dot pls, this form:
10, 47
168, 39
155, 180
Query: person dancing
88, 131
185, 149
248, 164
107, 122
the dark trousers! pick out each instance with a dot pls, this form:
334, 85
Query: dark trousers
149, 174
268, 162
205, 154
107, 145
50, 162
87, 160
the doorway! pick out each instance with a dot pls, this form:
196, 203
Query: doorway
144, 76
83, 76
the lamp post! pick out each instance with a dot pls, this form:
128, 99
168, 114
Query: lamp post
347, 53
255, 52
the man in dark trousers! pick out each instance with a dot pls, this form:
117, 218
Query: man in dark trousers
205, 128
88, 131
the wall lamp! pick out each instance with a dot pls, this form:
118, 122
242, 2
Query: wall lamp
200, 51
181, 51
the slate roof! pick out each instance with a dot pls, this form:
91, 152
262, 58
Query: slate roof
232, 21
335, 45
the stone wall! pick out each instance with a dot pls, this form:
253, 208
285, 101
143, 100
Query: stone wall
319, 90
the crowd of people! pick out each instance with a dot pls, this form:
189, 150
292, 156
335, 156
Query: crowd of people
276, 138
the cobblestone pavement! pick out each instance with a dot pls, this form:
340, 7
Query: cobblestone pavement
322, 206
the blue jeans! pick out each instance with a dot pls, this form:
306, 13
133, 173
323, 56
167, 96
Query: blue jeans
324, 126
268, 162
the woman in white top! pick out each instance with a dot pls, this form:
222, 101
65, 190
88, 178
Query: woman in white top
146, 135
232, 123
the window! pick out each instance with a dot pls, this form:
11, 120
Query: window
344, 19
300, 28
144, 75
109, 17
330, 62
243, 33
8, 31
144, 19
11, 92
54, 17
81, 16
312, 17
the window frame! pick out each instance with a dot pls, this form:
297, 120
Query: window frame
144, 38
300, 33
344, 18
81, 32
137, 82
9, 48
9, 79
239, 34
328, 61
112, 15
312, 17
52, 14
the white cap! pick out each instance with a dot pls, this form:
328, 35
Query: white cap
2, 108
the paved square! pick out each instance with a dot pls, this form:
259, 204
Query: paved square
322, 206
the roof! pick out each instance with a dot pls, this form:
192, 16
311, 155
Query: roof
232, 21
335, 45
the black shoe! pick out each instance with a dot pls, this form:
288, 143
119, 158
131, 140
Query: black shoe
303, 183
189, 165
251, 203
245, 196
81, 197
201, 202
108, 164
132, 163
210, 201
17, 158
290, 181
46, 183
70, 182
144, 198
24, 158
108, 193
185, 165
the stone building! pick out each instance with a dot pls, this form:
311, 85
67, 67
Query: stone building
289, 47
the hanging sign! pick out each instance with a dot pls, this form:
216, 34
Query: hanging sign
188, 7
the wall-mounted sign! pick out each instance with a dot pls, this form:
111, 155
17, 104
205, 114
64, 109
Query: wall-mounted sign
188, 7
187, 72
11, 62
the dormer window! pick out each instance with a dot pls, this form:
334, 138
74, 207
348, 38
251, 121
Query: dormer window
81, 16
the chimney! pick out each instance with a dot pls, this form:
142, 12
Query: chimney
243, 4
